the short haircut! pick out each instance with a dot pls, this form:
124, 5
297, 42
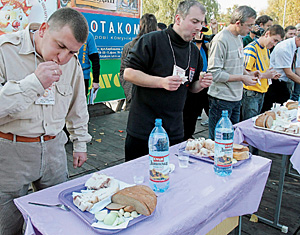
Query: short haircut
242, 14
184, 7
72, 18
263, 19
162, 26
290, 27
275, 29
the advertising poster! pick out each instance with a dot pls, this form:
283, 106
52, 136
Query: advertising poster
113, 24
15, 15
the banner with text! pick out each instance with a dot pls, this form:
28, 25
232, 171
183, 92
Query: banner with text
111, 33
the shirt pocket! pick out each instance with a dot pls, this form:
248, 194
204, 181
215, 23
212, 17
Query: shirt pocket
63, 98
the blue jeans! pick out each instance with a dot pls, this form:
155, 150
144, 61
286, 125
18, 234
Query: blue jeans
252, 103
215, 113
296, 92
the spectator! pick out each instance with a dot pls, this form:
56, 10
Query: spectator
285, 60
89, 53
225, 62
290, 32
158, 65
161, 26
261, 24
36, 99
257, 56
148, 24
196, 102
298, 29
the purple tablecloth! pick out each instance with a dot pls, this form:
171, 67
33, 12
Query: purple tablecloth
268, 141
196, 201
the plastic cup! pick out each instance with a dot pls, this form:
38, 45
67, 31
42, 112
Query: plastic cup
183, 158
139, 173
183, 161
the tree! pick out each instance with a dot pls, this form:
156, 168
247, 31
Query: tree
164, 10
276, 11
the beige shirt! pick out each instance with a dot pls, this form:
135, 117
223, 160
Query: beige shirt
20, 88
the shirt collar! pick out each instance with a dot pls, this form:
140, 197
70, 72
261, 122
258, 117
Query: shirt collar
27, 44
176, 38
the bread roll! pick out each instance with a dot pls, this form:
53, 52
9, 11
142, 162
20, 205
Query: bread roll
240, 148
141, 197
241, 155
292, 105
209, 144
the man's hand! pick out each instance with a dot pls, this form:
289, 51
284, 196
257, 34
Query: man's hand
249, 80
171, 83
95, 85
48, 72
270, 73
206, 80
256, 74
78, 159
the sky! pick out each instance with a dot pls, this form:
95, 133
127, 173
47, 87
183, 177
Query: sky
257, 5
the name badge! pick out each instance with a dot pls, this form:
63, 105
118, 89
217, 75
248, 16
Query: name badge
241, 52
180, 72
48, 96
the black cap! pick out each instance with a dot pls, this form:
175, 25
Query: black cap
204, 29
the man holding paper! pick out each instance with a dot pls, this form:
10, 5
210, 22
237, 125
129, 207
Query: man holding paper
163, 65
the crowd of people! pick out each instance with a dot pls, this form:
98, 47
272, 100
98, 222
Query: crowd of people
171, 72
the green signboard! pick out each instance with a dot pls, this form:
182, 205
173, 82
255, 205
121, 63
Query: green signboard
109, 82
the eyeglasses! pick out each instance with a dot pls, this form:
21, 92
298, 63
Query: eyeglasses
249, 25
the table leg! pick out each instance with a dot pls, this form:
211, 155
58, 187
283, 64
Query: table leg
275, 223
238, 230
289, 173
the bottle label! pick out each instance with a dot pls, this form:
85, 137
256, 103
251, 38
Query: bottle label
223, 154
159, 168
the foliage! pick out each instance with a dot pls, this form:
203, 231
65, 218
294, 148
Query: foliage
164, 10
276, 11
226, 17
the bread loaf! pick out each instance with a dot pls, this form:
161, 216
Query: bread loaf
272, 114
241, 155
260, 120
269, 122
292, 105
265, 120
140, 197
240, 148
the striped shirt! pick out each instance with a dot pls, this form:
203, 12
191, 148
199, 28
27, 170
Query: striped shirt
257, 57
226, 58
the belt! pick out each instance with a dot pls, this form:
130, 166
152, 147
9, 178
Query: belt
18, 138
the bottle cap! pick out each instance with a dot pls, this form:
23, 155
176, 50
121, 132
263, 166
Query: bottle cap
158, 122
224, 112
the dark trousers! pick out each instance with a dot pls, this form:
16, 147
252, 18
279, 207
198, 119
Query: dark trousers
216, 106
135, 148
86, 84
194, 104
278, 92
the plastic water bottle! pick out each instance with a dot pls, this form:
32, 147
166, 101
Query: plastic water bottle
223, 146
159, 158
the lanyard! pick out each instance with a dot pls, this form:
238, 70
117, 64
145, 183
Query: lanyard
174, 53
